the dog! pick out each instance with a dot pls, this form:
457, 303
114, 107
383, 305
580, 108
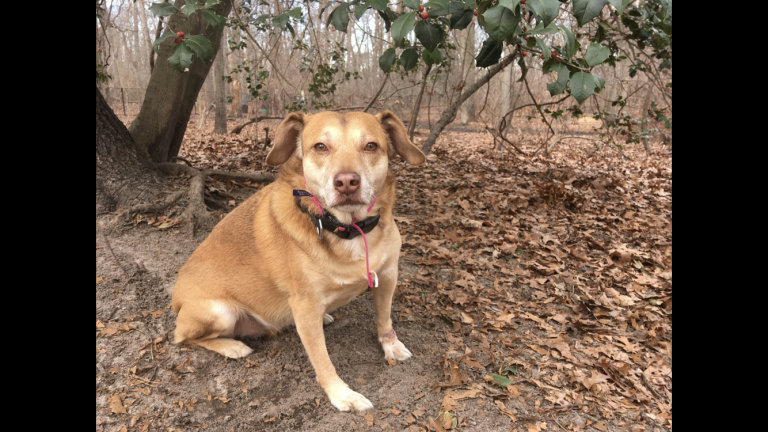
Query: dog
310, 242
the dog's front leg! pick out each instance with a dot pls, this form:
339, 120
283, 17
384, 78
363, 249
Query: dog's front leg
382, 300
308, 316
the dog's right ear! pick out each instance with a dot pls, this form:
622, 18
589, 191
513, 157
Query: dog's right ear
287, 140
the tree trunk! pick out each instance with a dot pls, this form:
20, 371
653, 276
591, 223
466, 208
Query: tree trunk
125, 175
468, 113
646, 104
450, 113
219, 89
417, 105
160, 126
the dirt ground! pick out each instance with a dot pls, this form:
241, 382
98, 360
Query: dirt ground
534, 293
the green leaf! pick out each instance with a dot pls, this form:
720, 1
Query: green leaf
201, 46
541, 29
586, 10
361, 8
387, 60
430, 35
446, 319
490, 53
510, 369
379, 4
460, 20
524, 70
437, 5
596, 54
402, 26
295, 12
570, 41
413, 4
582, 85
162, 9
339, 17
510, 4
500, 23
158, 41
599, 83
620, 5
501, 380
563, 74
211, 3
214, 19
432, 57
409, 58
547, 10
181, 58
281, 20
544, 48
190, 8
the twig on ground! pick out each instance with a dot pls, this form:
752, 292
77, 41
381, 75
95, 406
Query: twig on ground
650, 387
186, 161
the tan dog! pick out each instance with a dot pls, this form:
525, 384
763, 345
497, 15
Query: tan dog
265, 266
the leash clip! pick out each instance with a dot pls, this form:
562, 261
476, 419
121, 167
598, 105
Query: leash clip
320, 228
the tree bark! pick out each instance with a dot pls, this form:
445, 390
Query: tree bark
468, 113
125, 175
450, 113
160, 126
646, 104
219, 90
417, 105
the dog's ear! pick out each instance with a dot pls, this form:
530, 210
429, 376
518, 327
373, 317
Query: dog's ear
287, 140
398, 138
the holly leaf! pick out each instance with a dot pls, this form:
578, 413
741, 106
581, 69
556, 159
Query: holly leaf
620, 5
295, 12
181, 58
214, 19
582, 85
413, 4
596, 54
510, 4
544, 48
339, 17
190, 8
201, 47
163, 9
402, 26
281, 20
541, 29
430, 35
158, 41
490, 53
570, 41
409, 58
586, 10
361, 8
501, 380
461, 19
500, 23
563, 74
379, 4
547, 10
387, 60
432, 57
599, 83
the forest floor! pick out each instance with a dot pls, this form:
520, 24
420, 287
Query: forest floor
534, 292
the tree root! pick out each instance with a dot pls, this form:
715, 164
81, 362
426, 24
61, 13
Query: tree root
196, 211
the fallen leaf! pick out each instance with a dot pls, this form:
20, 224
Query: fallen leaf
116, 405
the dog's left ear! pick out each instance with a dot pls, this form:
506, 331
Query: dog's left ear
398, 138
287, 139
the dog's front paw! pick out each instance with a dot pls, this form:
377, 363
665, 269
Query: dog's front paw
395, 350
234, 349
327, 319
346, 399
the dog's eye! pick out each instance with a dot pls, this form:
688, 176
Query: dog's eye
321, 147
371, 146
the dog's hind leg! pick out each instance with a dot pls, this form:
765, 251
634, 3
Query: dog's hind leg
203, 324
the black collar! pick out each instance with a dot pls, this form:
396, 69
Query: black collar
330, 223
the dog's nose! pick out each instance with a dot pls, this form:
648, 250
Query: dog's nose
347, 183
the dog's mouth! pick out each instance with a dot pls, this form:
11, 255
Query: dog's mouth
347, 200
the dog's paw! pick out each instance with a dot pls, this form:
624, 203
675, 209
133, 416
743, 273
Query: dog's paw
346, 399
395, 350
234, 349
327, 319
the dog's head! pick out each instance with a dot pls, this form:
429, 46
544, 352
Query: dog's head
345, 156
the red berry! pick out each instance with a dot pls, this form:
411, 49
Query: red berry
525, 53
542, 57
425, 15
554, 53
526, 38
176, 40
475, 12
557, 60
522, 1
421, 8
180, 34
